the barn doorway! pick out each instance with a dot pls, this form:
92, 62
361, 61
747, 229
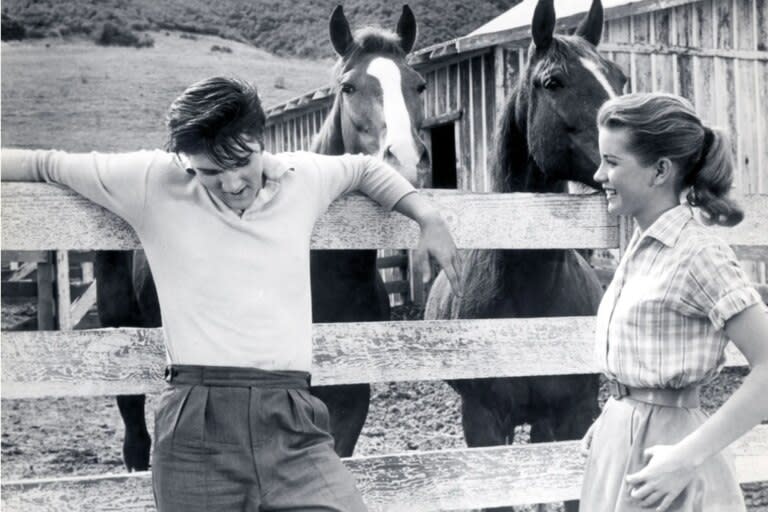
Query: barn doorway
443, 138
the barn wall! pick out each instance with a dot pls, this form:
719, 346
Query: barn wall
466, 84
294, 131
714, 53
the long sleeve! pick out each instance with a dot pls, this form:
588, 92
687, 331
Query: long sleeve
339, 175
116, 181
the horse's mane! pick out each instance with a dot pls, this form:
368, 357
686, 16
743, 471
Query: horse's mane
367, 40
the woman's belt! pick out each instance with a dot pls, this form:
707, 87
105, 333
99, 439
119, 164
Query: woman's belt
687, 397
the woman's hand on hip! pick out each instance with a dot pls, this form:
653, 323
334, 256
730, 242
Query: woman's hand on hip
663, 478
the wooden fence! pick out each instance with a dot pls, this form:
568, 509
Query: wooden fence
111, 361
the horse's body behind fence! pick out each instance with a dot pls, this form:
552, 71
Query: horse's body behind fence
547, 135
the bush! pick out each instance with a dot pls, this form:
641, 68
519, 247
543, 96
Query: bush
222, 49
115, 35
140, 26
11, 29
191, 37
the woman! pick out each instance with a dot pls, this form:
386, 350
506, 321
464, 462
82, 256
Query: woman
676, 299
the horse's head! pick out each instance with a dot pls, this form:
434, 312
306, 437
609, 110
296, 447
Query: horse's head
378, 106
558, 96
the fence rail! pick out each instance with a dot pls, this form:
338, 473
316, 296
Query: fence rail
119, 361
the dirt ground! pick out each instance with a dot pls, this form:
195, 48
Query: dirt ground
66, 436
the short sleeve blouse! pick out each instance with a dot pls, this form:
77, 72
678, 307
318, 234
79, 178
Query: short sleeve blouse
660, 323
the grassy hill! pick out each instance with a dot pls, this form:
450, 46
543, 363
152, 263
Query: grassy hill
77, 96
297, 28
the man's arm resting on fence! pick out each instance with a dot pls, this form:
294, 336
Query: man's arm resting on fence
116, 181
435, 241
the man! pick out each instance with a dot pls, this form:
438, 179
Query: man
226, 228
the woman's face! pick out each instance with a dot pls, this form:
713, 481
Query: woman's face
628, 184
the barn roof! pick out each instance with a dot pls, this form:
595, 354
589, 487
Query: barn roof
522, 14
514, 25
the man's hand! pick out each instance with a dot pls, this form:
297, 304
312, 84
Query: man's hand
436, 242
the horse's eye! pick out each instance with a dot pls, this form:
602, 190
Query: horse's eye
551, 83
347, 88
421, 88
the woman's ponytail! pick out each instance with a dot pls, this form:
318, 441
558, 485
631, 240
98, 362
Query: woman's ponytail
710, 179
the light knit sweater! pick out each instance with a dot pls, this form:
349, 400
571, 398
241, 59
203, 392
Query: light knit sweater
234, 290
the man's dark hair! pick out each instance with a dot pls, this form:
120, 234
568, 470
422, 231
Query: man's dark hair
217, 117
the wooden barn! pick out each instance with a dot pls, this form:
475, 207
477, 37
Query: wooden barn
714, 52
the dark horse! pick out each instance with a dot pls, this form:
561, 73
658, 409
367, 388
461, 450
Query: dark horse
377, 110
547, 135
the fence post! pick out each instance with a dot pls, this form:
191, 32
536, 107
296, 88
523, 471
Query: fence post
45, 295
415, 277
62, 291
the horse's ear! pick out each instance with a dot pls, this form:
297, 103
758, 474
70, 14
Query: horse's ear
543, 24
341, 35
591, 27
406, 29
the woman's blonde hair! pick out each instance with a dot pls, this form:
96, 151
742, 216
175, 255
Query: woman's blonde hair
665, 125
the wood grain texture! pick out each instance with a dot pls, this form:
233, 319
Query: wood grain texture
477, 220
122, 361
421, 481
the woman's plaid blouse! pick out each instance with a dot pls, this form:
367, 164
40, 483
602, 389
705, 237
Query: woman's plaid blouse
660, 323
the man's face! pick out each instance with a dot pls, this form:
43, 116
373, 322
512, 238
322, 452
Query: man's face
235, 186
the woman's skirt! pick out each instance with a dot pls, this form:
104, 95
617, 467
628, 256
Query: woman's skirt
624, 430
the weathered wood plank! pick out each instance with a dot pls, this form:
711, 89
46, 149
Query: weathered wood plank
121, 361
705, 24
704, 73
83, 303
723, 12
420, 481
683, 16
489, 114
46, 296
464, 144
659, 49
477, 221
761, 24
747, 126
453, 84
643, 73
761, 70
744, 24
63, 301
477, 96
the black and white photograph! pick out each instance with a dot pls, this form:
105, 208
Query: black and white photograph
357, 255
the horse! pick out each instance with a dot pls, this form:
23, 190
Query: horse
377, 110
545, 137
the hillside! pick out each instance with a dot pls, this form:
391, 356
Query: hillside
77, 96
295, 28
